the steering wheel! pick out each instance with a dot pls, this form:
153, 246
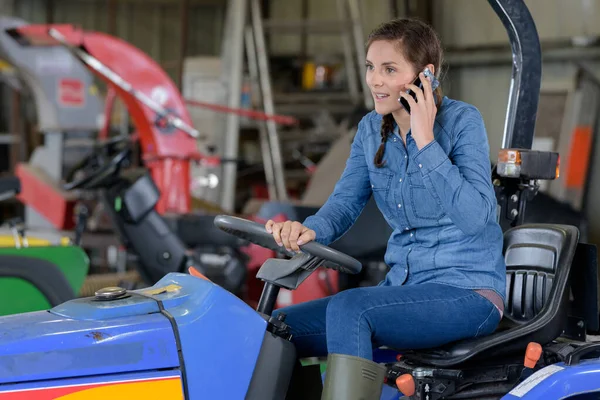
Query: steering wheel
257, 234
101, 169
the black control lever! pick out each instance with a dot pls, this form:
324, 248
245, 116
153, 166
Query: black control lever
14, 224
82, 216
23, 235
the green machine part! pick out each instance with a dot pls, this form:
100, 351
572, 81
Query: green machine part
38, 278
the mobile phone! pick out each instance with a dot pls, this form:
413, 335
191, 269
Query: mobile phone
434, 84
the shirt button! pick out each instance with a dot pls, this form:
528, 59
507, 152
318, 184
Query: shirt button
372, 186
411, 235
405, 156
400, 179
420, 166
407, 228
399, 205
395, 139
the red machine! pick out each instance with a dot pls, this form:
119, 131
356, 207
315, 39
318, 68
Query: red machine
154, 103
168, 141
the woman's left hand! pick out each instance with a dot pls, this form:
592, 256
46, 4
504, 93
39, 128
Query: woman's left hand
422, 112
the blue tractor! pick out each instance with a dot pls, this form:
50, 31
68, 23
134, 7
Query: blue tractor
188, 338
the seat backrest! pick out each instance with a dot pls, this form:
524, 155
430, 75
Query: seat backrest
535, 256
538, 267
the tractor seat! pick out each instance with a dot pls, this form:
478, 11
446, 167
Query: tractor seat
538, 266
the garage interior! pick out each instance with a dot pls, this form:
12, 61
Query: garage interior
129, 127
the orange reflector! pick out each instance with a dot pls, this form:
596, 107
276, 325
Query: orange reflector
509, 163
406, 384
509, 156
532, 354
194, 272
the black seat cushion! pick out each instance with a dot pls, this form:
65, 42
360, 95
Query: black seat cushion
538, 266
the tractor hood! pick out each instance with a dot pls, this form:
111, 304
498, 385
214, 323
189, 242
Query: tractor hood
182, 323
85, 337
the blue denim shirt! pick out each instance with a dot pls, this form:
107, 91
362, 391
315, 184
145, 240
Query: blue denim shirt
439, 200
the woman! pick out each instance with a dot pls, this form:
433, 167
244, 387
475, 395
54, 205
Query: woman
429, 171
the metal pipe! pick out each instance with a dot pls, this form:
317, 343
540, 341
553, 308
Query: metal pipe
244, 112
526, 77
262, 126
233, 58
502, 57
268, 298
267, 97
124, 85
359, 41
349, 61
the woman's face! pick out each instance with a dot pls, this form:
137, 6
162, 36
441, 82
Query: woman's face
388, 72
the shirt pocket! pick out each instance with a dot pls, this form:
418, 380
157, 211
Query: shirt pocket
423, 203
381, 183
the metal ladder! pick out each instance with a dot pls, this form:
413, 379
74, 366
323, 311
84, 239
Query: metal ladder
247, 32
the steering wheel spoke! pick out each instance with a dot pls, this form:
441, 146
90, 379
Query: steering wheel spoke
313, 262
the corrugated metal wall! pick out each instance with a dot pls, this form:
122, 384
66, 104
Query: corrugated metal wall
152, 26
373, 13
466, 23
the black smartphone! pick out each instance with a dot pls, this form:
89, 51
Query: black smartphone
434, 84
403, 101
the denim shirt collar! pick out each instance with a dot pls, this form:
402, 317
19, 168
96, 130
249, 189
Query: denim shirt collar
396, 131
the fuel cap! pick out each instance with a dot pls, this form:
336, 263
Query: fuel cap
110, 293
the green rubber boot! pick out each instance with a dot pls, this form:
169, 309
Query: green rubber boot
352, 378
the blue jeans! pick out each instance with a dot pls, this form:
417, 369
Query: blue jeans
421, 316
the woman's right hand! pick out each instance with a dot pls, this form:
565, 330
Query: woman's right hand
290, 234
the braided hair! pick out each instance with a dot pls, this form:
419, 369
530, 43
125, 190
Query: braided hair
387, 127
